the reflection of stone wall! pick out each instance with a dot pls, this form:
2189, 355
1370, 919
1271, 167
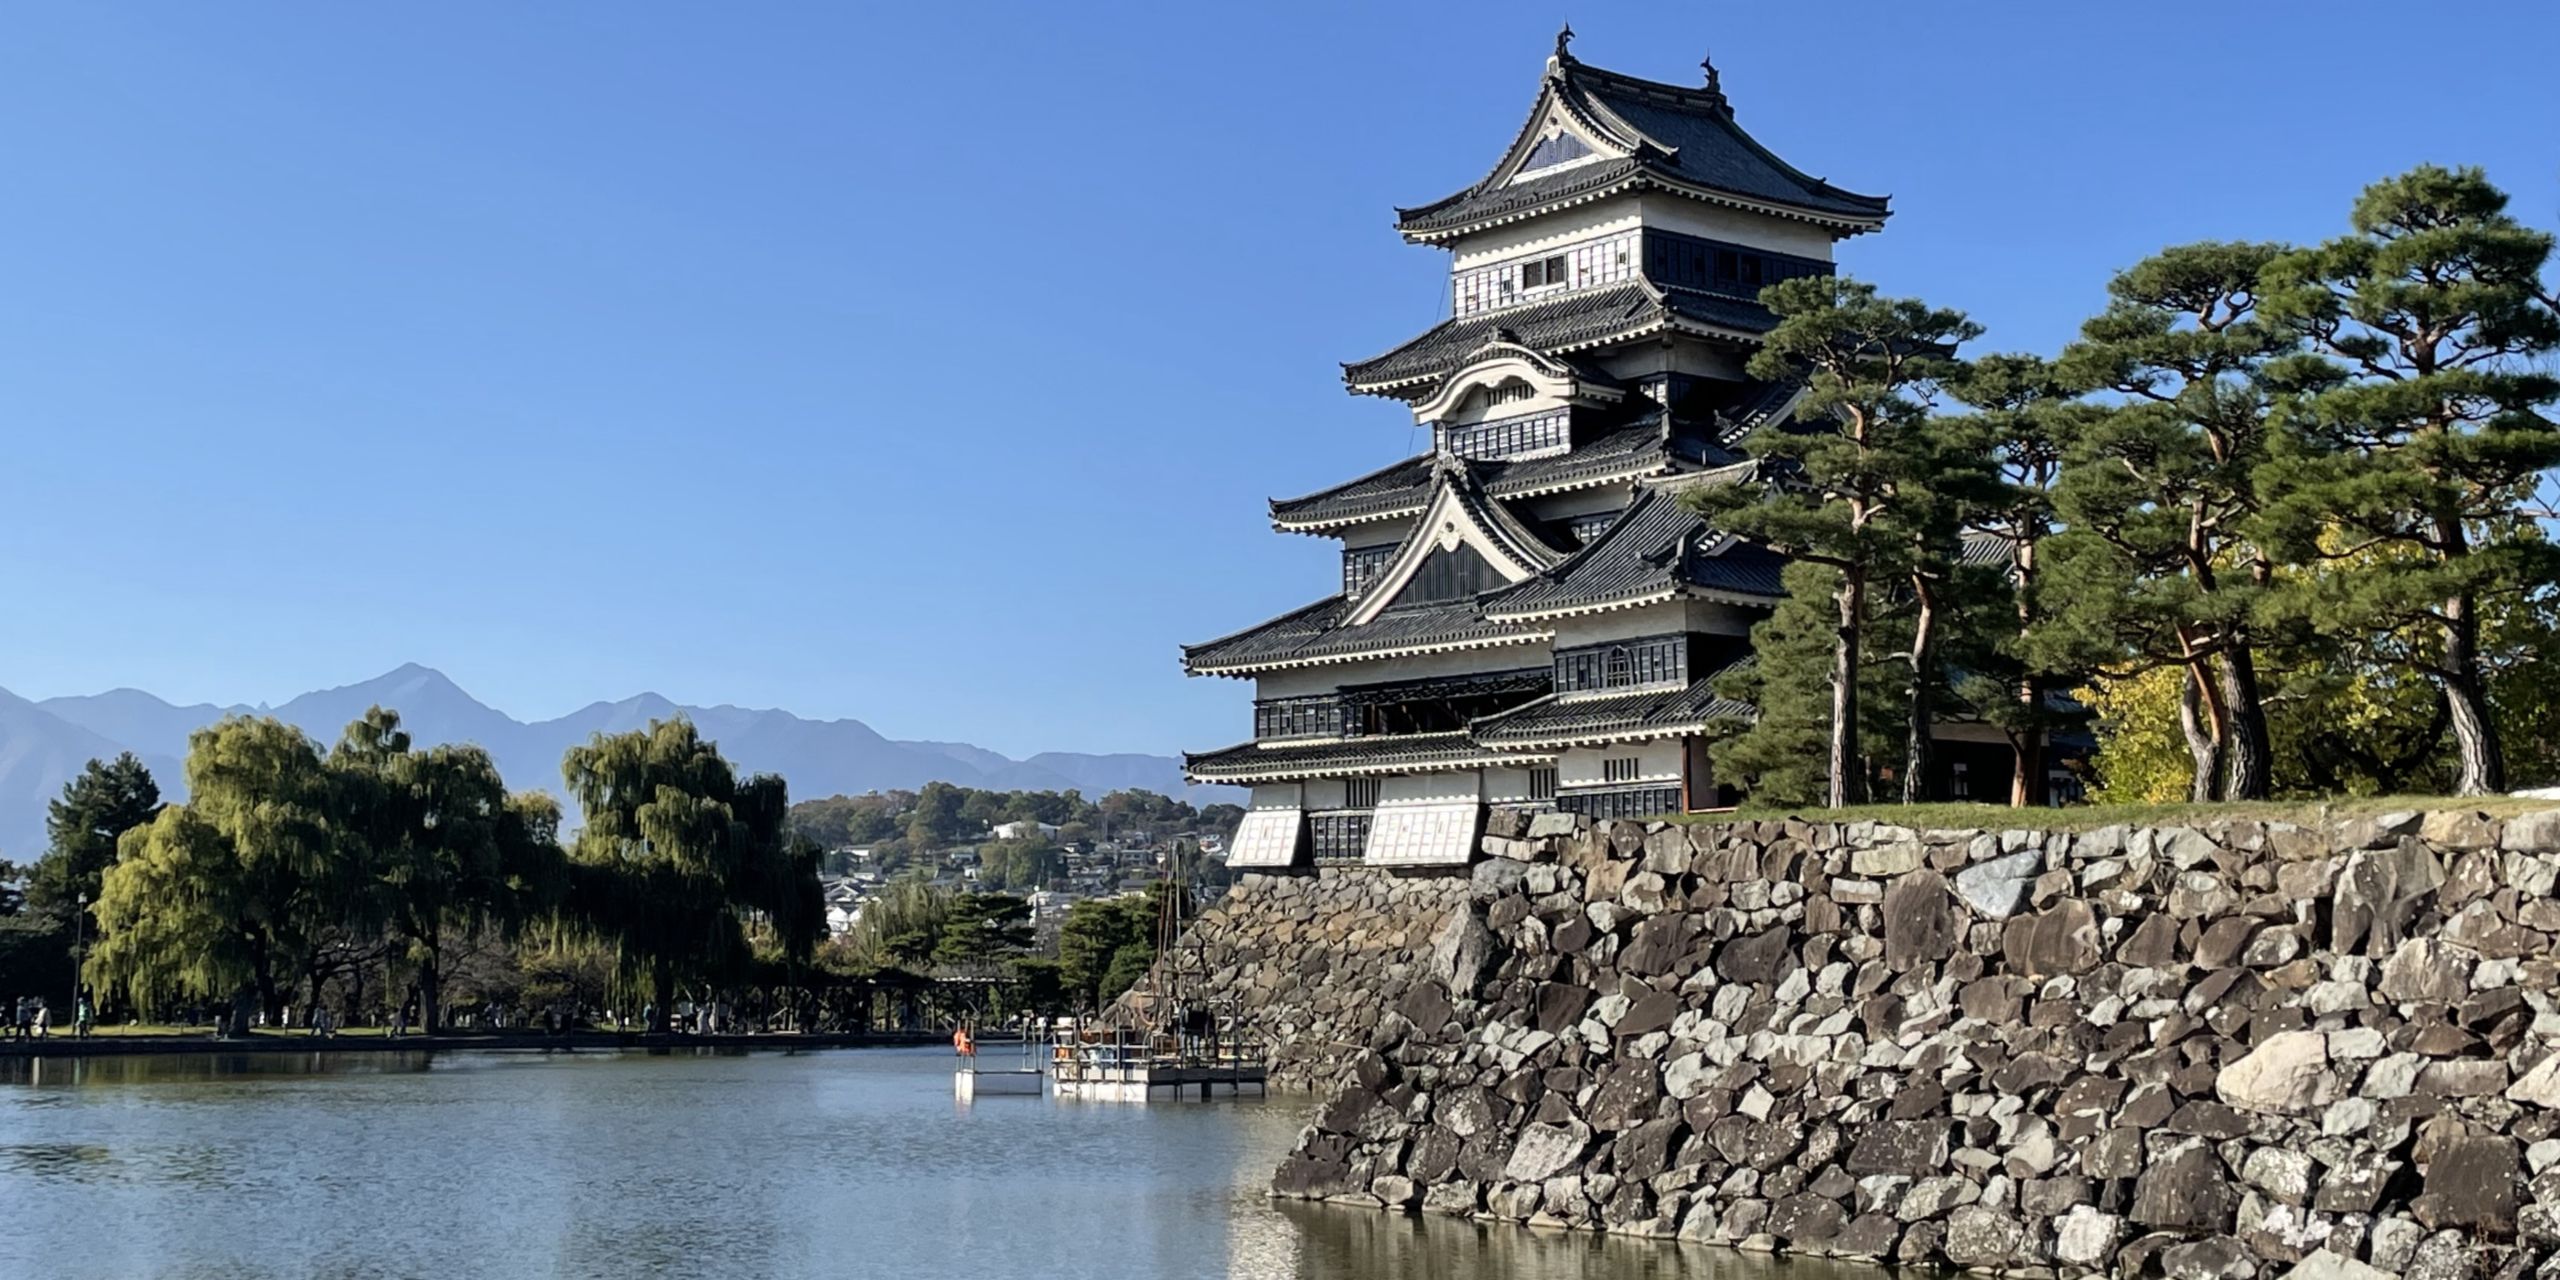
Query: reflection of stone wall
2226, 1051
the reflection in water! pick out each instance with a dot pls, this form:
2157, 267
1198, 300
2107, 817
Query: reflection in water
686, 1164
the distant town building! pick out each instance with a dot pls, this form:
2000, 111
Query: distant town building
1529, 615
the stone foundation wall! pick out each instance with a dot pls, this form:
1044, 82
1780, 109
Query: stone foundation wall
2240, 1050
1314, 960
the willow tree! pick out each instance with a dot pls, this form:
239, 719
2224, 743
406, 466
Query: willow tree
679, 856
216, 898
2423, 419
445, 853
1855, 472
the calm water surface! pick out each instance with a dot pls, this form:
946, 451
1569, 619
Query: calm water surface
605, 1164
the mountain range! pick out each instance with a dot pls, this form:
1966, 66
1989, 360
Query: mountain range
43, 744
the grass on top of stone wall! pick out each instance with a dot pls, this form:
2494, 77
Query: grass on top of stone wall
1998, 817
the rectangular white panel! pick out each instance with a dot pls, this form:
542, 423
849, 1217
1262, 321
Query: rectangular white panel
1272, 831
1426, 820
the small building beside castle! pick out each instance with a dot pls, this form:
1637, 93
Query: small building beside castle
1529, 614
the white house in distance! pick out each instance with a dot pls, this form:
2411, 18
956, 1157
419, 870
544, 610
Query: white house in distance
1529, 615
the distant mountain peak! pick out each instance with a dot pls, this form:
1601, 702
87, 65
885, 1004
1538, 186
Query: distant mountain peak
40, 741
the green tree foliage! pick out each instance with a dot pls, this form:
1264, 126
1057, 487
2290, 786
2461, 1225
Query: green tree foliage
82, 826
220, 897
936, 820
2421, 427
2156, 566
679, 857
1855, 469
1019, 865
901, 926
983, 928
445, 851
2022, 410
1779, 755
1108, 941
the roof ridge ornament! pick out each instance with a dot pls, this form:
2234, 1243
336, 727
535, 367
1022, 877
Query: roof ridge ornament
1557, 61
1715, 84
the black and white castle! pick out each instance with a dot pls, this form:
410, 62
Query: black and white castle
1530, 616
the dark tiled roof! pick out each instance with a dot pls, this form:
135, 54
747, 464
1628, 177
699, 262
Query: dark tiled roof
1522, 543
1567, 717
1399, 488
1581, 318
1659, 545
1983, 546
1317, 632
1404, 487
1481, 203
1677, 134
1248, 760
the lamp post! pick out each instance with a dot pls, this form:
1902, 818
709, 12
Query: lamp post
79, 952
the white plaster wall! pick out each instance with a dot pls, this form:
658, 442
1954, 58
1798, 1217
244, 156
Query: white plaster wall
1622, 624
1506, 786
1555, 230
1376, 533
1581, 766
1276, 795
1324, 793
1735, 226
1716, 619
1649, 209
1582, 502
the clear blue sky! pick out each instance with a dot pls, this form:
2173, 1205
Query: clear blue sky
930, 364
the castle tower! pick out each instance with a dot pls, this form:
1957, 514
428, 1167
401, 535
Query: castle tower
1529, 617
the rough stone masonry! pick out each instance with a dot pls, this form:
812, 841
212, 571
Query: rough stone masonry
2237, 1050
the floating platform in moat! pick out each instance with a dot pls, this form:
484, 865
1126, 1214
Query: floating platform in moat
973, 1082
1173, 1081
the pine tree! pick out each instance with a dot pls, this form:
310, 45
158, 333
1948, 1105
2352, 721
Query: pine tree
2421, 427
2021, 404
1779, 755
2155, 566
1851, 471
82, 826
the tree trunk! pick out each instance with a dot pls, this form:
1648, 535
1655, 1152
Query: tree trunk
430, 992
244, 1010
1915, 746
1846, 784
2483, 767
662, 990
2247, 769
2026, 768
2204, 748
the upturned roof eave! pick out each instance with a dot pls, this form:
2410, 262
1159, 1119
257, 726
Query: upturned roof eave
1258, 666
1845, 224
1666, 321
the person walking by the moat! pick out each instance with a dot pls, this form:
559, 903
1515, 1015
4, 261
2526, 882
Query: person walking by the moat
24, 1021
84, 1016
408, 1012
44, 1019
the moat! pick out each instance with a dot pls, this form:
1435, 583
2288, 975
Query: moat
767, 1164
